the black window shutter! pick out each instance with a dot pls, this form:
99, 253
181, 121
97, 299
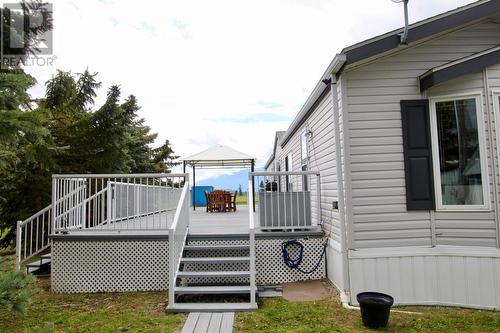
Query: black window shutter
417, 154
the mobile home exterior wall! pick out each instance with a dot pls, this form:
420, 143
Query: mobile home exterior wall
425, 256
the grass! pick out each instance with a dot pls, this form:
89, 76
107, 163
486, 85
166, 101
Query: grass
243, 198
279, 315
102, 312
145, 312
99, 312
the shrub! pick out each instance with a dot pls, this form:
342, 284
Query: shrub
16, 289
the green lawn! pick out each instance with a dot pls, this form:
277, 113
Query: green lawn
279, 315
102, 312
243, 198
144, 312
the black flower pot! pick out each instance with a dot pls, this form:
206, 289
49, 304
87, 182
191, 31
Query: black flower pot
375, 308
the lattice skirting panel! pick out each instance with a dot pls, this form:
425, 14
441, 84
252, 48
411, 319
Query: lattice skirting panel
272, 270
109, 265
132, 265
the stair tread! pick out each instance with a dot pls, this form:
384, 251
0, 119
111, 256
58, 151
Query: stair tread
39, 263
212, 273
46, 256
213, 307
213, 259
214, 289
216, 247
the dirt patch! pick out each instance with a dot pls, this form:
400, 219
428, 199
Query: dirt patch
306, 290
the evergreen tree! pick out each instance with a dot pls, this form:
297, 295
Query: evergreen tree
26, 150
164, 158
61, 134
16, 289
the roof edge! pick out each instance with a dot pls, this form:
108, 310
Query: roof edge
269, 161
333, 68
454, 69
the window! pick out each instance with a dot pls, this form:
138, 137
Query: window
459, 156
303, 147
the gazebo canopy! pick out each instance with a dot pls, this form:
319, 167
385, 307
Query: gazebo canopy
219, 156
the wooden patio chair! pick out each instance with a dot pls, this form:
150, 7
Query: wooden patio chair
207, 199
218, 200
232, 202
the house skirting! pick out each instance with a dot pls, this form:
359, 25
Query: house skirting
454, 276
141, 264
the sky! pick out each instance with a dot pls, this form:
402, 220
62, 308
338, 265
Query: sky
207, 72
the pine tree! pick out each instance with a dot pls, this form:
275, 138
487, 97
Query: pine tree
16, 289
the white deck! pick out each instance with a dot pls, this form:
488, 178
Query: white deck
202, 223
205, 223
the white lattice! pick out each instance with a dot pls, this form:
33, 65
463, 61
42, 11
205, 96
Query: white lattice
109, 265
130, 265
271, 268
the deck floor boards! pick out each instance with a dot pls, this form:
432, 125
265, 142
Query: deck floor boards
209, 322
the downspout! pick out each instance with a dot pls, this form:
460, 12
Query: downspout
344, 296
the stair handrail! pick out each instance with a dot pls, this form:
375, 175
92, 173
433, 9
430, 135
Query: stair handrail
177, 234
251, 231
35, 241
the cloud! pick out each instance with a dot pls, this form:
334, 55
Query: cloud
269, 104
148, 28
257, 117
182, 28
194, 64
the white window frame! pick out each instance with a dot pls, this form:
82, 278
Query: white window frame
495, 95
478, 96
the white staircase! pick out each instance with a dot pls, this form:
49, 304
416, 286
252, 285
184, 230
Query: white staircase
214, 278
40, 267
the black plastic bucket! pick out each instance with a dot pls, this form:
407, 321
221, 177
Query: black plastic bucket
375, 308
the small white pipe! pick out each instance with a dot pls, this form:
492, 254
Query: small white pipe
344, 299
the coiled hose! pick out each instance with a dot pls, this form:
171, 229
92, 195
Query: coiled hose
294, 263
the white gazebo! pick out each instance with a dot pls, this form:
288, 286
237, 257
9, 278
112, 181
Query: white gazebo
218, 156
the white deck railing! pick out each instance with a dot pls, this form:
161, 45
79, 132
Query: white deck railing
32, 236
251, 242
108, 202
287, 200
177, 234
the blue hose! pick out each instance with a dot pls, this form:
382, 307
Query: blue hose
294, 263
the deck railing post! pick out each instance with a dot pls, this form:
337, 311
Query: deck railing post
171, 269
318, 192
186, 181
251, 240
19, 237
54, 206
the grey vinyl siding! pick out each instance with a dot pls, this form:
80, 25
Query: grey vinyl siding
322, 159
374, 91
468, 228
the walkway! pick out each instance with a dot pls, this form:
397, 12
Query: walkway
209, 322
